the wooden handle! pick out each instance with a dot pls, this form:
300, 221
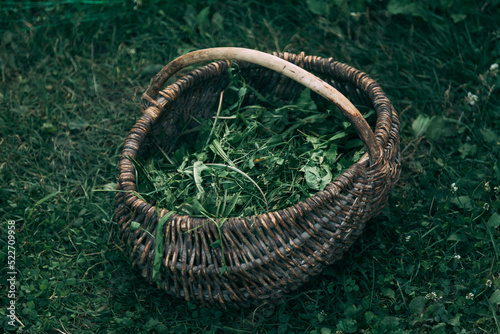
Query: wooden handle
281, 66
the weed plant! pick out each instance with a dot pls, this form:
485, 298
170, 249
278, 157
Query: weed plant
72, 73
250, 160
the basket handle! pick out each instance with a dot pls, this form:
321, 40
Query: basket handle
279, 65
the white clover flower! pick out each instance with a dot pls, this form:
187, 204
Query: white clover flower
488, 283
431, 295
487, 186
471, 99
454, 187
469, 296
486, 206
356, 15
457, 257
494, 67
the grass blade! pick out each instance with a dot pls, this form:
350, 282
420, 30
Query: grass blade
46, 198
159, 245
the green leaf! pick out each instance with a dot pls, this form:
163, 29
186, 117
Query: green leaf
494, 220
78, 124
439, 328
331, 155
305, 101
436, 128
160, 235
216, 147
495, 297
202, 19
325, 330
327, 178
457, 237
134, 226
388, 293
215, 244
218, 22
420, 125
347, 326
318, 7
232, 204
489, 136
464, 202
455, 321
198, 168
312, 176
406, 7
190, 17
458, 17
369, 316
467, 150
48, 128
417, 305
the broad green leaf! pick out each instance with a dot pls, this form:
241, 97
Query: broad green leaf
347, 326
458, 17
467, 150
369, 316
495, 297
49, 128
420, 125
318, 7
313, 178
455, 321
388, 293
417, 305
406, 7
218, 22
78, 124
494, 220
457, 237
489, 135
463, 202
331, 155
436, 128
325, 330
327, 178
305, 101
439, 328
202, 19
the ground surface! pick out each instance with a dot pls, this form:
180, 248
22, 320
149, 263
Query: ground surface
71, 79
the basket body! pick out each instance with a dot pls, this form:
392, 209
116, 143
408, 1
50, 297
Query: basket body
268, 255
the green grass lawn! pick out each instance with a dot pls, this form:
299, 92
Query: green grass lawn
72, 76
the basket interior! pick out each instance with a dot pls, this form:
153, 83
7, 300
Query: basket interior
200, 99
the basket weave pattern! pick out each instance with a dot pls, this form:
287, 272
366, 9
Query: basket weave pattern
266, 255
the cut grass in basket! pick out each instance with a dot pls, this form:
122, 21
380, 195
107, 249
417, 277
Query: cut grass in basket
250, 160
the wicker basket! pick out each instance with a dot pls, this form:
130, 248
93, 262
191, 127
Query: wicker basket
271, 254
